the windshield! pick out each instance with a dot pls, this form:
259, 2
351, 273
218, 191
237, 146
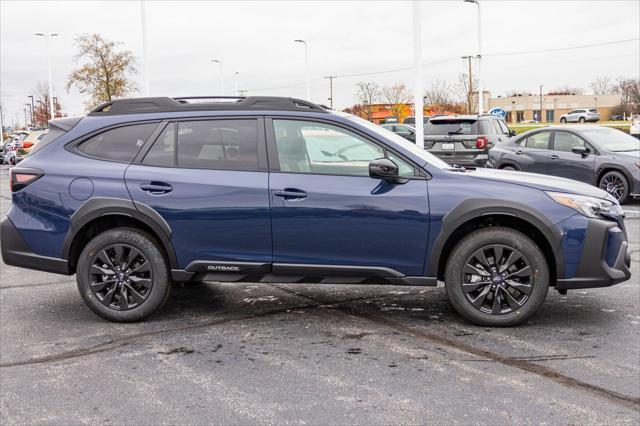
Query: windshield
612, 139
451, 127
413, 148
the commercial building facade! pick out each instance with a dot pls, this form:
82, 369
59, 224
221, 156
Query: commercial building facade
527, 108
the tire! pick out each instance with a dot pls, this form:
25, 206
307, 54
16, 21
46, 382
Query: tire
616, 184
145, 290
509, 168
462, 287
563, 120
581, 119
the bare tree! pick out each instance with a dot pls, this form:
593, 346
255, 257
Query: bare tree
438, 95
603, 85
41, 112
368, 93
104, 75
566, 90
466, 92
397, 97
629, 90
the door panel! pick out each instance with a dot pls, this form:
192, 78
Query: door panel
350, 220
565, 163
533, 153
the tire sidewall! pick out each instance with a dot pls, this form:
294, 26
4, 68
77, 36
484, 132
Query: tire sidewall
146, 245
625, 196
510, 238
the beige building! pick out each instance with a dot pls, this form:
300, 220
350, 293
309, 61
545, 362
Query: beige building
527, 108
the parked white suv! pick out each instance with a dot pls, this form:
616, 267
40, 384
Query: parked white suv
634, 130
580, 116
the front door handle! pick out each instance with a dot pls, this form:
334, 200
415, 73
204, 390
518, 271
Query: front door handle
519, 152
290, 194
156, 188
554, 157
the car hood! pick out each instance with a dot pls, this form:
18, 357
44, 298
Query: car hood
542, 182
632, 155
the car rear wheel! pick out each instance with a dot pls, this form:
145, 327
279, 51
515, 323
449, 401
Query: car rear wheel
581, 119
496, 277
616, 184
122, 275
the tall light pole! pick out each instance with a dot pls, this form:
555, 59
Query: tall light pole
219, 62
30, 114
235, 75
306, 66
330, 78
33, 107
480, 89
540, 118
46, 38
418, 99
145, 61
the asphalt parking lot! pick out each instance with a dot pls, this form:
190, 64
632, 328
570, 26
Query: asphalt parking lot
309, 354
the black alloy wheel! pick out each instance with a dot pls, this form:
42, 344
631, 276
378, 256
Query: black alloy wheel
497, 279
120, 277
615, 184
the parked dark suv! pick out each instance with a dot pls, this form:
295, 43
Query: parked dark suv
143, 192
464, 140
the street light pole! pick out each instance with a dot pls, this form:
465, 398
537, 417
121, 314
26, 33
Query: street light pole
306, 66
46, 38
32, 109
331, 77
418, 94
145, 61
470, 91
219, 62
480, 88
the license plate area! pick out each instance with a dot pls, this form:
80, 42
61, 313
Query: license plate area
448, 146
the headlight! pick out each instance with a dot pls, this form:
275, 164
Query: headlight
587, 206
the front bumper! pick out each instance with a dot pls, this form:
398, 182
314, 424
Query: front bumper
605, 259
16, 252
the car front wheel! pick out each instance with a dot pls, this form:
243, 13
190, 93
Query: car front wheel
496, 277
615, 183
563, 120
122, 275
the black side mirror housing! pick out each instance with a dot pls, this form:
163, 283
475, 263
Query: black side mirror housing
512, 133
580, 150
383, 168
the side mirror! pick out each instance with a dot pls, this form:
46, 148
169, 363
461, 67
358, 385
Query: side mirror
512, 133
580, 150
383, 168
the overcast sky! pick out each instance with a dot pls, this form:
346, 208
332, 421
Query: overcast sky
346, 38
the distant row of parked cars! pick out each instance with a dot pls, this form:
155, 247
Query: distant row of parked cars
598, 155
19, 144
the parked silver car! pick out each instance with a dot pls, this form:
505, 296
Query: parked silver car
580, 116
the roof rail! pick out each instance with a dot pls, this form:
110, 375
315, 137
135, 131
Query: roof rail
217, 103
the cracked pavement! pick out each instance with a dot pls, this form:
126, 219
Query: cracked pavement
292, 353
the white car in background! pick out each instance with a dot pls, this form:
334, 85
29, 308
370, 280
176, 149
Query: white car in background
580, 116
634, 130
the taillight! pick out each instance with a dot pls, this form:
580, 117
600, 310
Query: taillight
27, 144
481, 142
20, 178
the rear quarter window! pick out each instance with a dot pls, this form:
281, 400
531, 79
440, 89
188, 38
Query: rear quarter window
118, 144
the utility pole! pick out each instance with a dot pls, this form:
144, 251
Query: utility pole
470, 91
331, 77
480, 89
46, 38
540, 118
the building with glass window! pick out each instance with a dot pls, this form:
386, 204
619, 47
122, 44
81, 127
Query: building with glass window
527, 108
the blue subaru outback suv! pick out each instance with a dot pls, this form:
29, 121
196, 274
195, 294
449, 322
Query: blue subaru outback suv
144, 192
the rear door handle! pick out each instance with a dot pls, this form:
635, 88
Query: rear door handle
290, 194
156, 188
519, 152
554, 157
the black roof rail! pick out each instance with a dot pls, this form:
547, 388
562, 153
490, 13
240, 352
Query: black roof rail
209, 103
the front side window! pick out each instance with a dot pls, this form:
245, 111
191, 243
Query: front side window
538, 140
218, 144
119, 144
565, 141
310, 147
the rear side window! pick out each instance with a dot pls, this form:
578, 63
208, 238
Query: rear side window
486, 127
218, 144
451, 127
119, 144
162, 153
538, 140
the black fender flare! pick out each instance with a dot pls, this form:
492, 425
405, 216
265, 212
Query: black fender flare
474, 208
105, 206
